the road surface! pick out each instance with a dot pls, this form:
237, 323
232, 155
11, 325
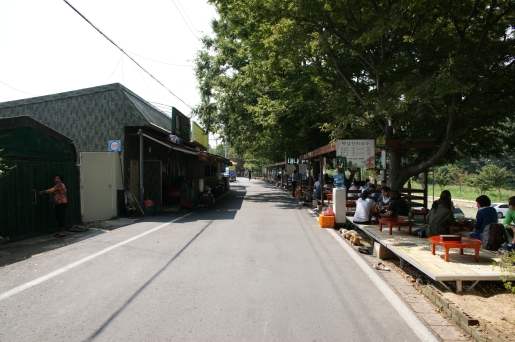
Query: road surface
255, 267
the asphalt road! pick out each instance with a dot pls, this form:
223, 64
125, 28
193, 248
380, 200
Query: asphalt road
256, 267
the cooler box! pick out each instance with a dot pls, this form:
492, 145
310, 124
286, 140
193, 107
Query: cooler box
326, 221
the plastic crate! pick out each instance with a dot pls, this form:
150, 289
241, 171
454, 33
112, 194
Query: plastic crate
326, 221
150, 211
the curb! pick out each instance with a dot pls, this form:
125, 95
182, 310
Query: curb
479, 330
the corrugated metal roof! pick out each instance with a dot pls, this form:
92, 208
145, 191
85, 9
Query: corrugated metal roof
150, 113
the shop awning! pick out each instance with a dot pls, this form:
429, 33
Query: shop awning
172, 146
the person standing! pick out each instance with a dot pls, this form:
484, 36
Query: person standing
60, 202
293, 182
250, 174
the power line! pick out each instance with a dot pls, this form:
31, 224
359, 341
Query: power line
181, 65
146, 84
21, 91
178, 10
132, 59
116, 67
186, 14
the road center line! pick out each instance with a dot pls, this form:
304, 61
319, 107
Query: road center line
50, 275
404, 311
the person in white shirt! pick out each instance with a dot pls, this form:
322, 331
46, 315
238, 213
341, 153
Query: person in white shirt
364, 207
352, 195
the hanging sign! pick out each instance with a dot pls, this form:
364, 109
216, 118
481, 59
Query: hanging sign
114, 145
180, 124
199, 136
356, 153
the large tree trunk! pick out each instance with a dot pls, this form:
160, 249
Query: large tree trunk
397, 175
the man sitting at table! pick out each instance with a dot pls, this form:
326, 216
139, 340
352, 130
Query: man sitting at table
398, 206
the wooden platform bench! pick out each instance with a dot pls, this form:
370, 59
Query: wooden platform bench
418, 253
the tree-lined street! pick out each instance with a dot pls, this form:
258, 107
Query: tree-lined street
255, 267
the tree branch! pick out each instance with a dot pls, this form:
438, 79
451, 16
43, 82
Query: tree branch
486, 28
346, 78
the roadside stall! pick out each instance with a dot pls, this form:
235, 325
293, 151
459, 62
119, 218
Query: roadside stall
275, 173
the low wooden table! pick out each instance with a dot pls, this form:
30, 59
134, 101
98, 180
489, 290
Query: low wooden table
464, 243
394, 221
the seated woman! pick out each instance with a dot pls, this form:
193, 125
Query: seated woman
364, 207
384, 199
440, 217
509, 220
398, 206
446, 194
485, 216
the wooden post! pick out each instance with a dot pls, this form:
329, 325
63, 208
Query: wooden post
321, 180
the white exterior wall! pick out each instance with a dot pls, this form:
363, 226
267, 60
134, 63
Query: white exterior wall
100, 175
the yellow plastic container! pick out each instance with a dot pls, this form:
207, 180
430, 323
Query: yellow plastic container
326, 221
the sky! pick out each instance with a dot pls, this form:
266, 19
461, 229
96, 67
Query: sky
48, 48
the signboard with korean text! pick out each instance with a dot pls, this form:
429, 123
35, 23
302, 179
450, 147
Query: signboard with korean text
356, 153
180, 124
199, 136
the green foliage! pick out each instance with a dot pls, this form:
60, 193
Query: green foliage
287, 76
507, 266
441, 177
478, 182
4, 169
497, 176
489, 177
457, 175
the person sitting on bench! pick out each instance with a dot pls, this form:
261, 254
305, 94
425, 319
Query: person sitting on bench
398, 206
364, 207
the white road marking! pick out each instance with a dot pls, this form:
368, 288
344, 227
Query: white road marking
50, 275
409, 317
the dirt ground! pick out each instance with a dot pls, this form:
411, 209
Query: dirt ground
488, 301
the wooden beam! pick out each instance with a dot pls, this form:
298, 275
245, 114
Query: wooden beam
319, 151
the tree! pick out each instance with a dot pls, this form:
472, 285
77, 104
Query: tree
457, 175
281, 72
496, 176
441, 177
479, 182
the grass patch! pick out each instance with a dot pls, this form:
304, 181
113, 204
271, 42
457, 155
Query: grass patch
466, 193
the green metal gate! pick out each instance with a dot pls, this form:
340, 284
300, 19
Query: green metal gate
24, 213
